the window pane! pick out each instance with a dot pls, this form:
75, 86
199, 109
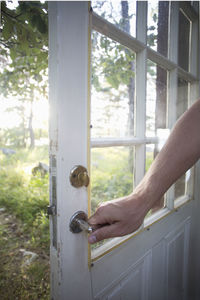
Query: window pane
120, 13
157, 28
183, 43
182, 105
151, 152
113, 88
111, 174
182, 99
150, 155
156, 104
180, 187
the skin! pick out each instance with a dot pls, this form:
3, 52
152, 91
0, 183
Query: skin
125, 215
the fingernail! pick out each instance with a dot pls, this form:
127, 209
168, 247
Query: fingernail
92, 239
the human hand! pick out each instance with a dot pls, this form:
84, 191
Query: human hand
117, 218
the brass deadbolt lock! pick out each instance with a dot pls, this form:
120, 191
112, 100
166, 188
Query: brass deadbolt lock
79, 177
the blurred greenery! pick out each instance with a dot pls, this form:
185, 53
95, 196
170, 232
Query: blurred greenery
110, 174
26, 195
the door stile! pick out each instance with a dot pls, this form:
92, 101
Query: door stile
68, 73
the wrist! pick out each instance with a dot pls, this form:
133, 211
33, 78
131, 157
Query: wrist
147, 193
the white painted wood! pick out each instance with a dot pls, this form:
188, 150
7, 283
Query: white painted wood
126, 286
173, 31
189, 11
114, 142
194, 47
172, 81
110, 30
115, 263
185, 75
193, 90
171, 118
138, 44
177, 248
141, 21
140, 103
68, 102
55, 274
144, 265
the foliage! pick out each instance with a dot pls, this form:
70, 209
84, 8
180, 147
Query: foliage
24, 53
13, 137
110, 174
112, 61
26, 196
17, 137
24, 42
17, 280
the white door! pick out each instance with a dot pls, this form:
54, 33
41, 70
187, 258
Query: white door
160, 261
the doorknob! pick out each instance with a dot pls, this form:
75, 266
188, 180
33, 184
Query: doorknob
79, 222
79, 176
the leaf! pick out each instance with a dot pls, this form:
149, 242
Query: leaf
8, 29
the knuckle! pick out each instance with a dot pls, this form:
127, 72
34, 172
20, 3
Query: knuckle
100, 209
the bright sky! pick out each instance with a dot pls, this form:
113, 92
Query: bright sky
12, 119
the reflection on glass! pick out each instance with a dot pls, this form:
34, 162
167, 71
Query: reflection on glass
184, 40
120, 13
111, 174
156, 103
157, 26
113, 88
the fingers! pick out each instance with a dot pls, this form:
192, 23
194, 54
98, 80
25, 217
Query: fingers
100, 217
104, 232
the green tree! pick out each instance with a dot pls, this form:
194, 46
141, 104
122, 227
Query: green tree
117, 64
24, 49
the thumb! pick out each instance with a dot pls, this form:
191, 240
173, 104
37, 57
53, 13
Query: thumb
102, 233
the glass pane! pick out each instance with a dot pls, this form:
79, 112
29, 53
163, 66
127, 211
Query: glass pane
156, 103
180, 187
182, 99
111, 174
113, 88
184, 40
120, 13
182, 105
150, 155
157, 26
151, 152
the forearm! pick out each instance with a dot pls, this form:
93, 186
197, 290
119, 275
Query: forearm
180, 152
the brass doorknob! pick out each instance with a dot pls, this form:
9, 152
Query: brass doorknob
79, 177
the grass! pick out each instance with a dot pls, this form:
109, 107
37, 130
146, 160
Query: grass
16, 280
24, 226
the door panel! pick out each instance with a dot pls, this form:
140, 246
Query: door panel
153, 262
134, 283
165, 241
